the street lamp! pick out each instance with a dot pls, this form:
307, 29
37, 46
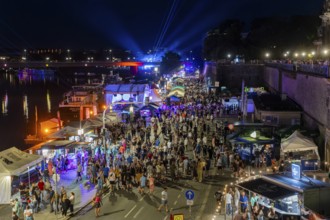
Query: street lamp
229, 55
267, 55
25, 54
103, 120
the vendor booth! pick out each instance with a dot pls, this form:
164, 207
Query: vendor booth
126, 93
148, 110
289, 196
301, 150
250, 143
13, 162
58, 149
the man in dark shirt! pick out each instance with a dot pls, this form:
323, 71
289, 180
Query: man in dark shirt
52, 199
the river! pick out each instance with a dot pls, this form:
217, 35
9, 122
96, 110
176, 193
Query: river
21, 93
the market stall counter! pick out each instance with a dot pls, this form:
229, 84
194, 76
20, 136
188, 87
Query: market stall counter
288, 195
301, 150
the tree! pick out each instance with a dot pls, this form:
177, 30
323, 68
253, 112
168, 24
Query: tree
170, 62
226, 38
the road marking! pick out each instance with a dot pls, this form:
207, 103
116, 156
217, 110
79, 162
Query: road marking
201, 210
175, 202
138, 212
179, 196
130, 211
142, 198
165, 218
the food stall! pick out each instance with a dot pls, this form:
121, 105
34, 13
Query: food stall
54, 150
301, 150
289, 195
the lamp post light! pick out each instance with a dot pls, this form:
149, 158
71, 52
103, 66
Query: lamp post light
110, 52
103, 122
25, 54
267, 55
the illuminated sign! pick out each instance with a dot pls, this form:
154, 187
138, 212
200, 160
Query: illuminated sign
178, 217
296, 171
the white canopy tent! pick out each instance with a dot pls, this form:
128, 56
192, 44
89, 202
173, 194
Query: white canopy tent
298, 142
13, 162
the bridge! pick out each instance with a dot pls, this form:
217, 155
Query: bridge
134, 65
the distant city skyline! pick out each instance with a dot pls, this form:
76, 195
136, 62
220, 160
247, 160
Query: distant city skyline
135, 25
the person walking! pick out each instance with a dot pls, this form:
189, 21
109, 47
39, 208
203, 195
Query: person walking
164, 200
15, 206
151, 185
143, 181
97, 204
200, 166
51, 199
14, 216
236, 199
229, 199
65, 205
79, 170
243, 200
72, 199
28, 213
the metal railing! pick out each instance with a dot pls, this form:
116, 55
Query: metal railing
313, 69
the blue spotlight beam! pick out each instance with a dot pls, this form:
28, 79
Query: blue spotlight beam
193, 15
169, 19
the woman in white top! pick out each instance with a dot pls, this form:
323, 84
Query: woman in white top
72, 201
28, 213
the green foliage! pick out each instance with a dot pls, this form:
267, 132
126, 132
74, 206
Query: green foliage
273, 34
170, 62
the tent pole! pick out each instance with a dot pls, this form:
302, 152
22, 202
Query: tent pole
29, 176
56, 193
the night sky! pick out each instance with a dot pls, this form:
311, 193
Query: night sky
130, 24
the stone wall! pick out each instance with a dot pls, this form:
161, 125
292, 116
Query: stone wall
231, 76
312, 93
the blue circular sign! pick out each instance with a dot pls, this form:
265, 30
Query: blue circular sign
190, 195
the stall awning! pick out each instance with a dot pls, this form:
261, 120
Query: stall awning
267, 189
55, 145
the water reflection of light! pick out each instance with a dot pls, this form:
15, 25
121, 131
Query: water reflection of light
49, 106
4, 104
12, 80
25, 107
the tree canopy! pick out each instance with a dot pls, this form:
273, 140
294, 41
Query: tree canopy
271, 34
170, 62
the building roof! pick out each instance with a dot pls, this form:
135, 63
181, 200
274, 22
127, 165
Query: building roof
272, 102
267, 189
126, 88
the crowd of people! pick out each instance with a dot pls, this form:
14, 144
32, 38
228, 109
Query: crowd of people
181, 140
239, 206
